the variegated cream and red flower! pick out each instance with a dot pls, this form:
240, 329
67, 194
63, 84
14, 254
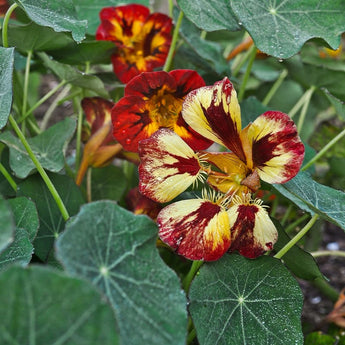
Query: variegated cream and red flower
154, 100
268, 149
142, 39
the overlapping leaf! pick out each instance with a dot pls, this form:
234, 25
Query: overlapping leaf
60, 15
48, 147
45, 307
7, 224
6, 70
241, 301
313, 197
116, 251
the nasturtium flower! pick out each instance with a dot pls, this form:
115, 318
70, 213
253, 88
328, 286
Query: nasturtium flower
100, 147
204, 229
142, 39
154, 100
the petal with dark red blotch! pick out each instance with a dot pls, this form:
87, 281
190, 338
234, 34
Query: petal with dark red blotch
153, 100
98, 112
277, 150
168, 166
214, 112
252, 230
197, 229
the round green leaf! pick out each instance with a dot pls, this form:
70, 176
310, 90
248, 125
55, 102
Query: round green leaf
6, 70
242, 301
51, 221
60, 15
25, 215
43, 307
19, 251
280, 28
7, 224
116, 251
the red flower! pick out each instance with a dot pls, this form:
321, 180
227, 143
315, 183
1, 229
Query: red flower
153, 100
142, 39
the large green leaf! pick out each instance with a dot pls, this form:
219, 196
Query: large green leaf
43, 307
25, 215
19, 251
73, 76
89, 9
280, 28
6, 70
51, 221
241, 301
7, 226
48, 147
313, 197
116, 251
35, 37
60, 15
210, 15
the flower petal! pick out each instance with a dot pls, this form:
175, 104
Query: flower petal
277, 150
168, 166
153, 100
252, 230
197, 229
214, 112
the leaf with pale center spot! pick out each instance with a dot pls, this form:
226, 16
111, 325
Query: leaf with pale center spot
45, 307
116, 251
245, 301
281, 27
49, 148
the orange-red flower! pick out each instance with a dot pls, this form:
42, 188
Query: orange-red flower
142, 39
227, 219
154, 100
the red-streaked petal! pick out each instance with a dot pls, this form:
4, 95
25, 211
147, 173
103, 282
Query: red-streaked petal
98, 112
153, 100
214, 112
197, 229
252, 230
121, 22
276, 147
168, 166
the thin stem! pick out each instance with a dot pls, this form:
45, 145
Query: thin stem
26, 85
191, 274
40, 169
287, 214
43, 99
8, 177
89, 184
320, 253
275, 87
305, 109
299, 104
324, 150
295, 239
168, 61
79, 130
53, 106
326, 289
274, 207
296, 222
191, 336
5, 25
171, 7
247, 73
236, 66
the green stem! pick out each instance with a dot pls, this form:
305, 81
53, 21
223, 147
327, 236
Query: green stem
324, 150
26, 85
287, 214
40, 169
171, 8
191, 274
326, 289
168, 61
77, 105
305, 109
53, 106
296, 223
5, 25
238, 63
43, 99
8, 177
320, 253
294, 240
247, 73
299, 104
191, 336
89, 184
274, 207
275, 87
